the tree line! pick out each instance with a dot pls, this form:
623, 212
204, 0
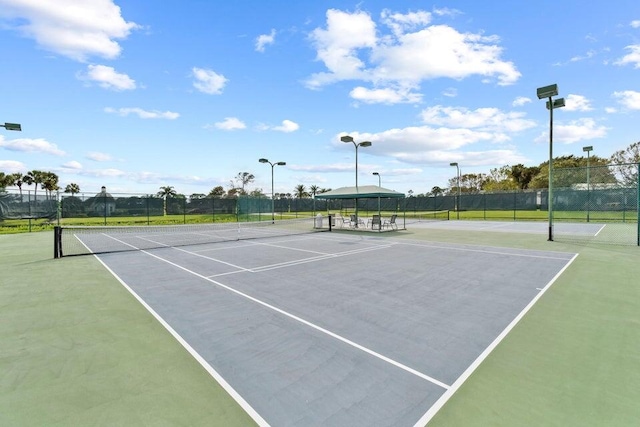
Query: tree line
505, 178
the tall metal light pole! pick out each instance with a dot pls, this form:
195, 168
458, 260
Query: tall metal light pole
347, 138
588, 149
549, 92
273, 207
458, 201
379, 188
12, 126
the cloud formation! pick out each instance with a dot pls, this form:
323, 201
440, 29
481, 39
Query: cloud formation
143, 114
75, 29
108, 78
38, 145
265, 39
352, 47
208, 81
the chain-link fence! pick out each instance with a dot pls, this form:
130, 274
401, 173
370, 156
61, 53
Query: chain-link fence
600, 195
606, 195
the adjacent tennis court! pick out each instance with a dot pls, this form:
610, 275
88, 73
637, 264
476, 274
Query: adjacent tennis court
333, 328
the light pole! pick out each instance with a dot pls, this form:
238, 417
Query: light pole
12, 126
273, 207
347, 138
458, 175
549, 92
379, 188
588, 149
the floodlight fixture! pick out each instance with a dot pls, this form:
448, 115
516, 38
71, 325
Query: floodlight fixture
348, 138
547, 91
273, 206
12, 126
587, 149
453, 164
557, 103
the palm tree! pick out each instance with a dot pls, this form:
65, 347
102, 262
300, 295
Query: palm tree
50, 183
17, 180
34, 177
72, 188
314, 189
301, 192
165, 192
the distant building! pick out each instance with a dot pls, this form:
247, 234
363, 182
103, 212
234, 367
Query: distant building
103, 203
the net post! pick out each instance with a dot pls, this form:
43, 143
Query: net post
57, 244
330, 221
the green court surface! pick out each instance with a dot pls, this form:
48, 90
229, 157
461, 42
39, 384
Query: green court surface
79, 349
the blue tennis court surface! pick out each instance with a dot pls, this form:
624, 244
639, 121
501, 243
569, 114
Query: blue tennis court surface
335, 329
534, 227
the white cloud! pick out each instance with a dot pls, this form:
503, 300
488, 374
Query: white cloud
108, 78
230, 123
12, 166
577, 103
450, 92
143, 114
75, 29
265, 39
631, 58
629, 99
98, 157
520, 101
635, 23
414, 51
384, 96
574, 131
610, 110
401, 23
38, 145
488, 119
208, 81
287, 126
72, 165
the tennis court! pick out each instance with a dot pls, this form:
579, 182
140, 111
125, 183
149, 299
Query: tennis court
335, 328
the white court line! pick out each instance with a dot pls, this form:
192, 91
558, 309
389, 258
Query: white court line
314, 259
225, 385
601, 228
484, 251
213, 259
307, 323
467, 373
303, 321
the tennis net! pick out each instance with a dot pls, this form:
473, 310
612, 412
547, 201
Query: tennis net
86, 240
421, 216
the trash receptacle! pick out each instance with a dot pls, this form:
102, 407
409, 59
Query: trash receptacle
318, 221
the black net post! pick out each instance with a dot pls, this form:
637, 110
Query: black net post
57, 242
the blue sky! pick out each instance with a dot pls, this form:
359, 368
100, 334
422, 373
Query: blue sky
136, 95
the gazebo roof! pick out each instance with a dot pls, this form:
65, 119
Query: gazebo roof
362, 192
